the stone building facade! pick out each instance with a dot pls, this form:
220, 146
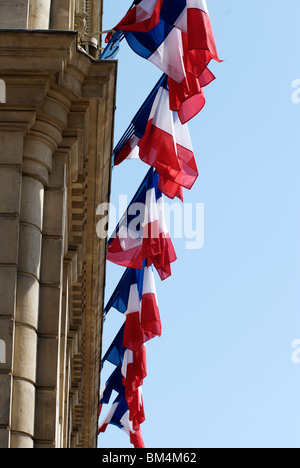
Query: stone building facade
56, 132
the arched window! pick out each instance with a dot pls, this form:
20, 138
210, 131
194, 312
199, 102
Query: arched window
2, 92
2, 352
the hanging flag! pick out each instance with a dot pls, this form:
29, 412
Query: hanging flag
162, 44
119, 416
166, 144
142, 232
128, 378
135, 296
157, 136
133, 364
182, 45
127, 381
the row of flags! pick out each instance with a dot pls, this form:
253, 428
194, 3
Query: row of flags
176, 36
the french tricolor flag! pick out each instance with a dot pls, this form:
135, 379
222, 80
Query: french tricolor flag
142, 315
142, 232
134, 371
181, 45
162, 141
127, 379
119, 416
133, 365
166, 144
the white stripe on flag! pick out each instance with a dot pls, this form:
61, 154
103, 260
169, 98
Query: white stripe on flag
169, 56
198, 4
149, 282
134, 304
145, 10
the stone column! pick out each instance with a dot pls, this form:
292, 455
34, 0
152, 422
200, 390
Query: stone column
11, 155
27, 310
62, 14
39, 14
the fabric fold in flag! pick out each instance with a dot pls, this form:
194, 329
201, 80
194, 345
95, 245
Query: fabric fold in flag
187, 98
127, 379
134, 371
116, 351
162, 141
133, 332
142, 233
119, 417
161, 46
142, 17
150, 316
115, 382
201, 41
166, 144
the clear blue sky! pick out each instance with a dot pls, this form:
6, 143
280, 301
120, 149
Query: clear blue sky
222, 375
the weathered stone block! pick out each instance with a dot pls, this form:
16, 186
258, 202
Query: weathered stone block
30, 250
5, 392
52, 256
9, 240
46, 375
8, 278
21, 441
10, 189
25, 352
32, 202
27, 307
14, 15
50, 305
23, 407
4, 438
45, 415
54, 210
